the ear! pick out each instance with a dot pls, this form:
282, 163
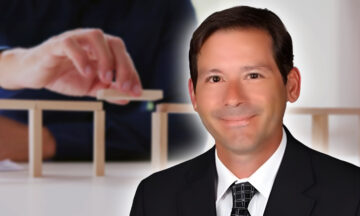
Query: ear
293, 85
192, 94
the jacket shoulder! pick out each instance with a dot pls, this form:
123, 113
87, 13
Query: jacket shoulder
159, 192
181, 171
335, 176
328, 165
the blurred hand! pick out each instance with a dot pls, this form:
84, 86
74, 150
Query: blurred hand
76, 63
14, 142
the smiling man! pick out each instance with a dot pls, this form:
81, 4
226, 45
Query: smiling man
242, 76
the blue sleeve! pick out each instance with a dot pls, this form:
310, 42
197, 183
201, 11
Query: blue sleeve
4, 47
171, 66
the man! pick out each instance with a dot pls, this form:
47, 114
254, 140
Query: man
242, 76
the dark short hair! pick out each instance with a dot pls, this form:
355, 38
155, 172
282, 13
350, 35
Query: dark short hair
245, 17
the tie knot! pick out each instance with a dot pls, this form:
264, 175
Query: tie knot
242, 194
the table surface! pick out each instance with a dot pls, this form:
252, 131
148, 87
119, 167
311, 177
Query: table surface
70, 189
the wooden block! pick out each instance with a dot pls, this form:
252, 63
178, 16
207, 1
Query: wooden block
175, 108
35, 142
69, 105
159, 140
35, 108
320, 132
320, 111
147, 95
15, 104
99, 143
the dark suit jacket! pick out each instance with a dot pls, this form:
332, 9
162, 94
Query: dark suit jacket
307, 183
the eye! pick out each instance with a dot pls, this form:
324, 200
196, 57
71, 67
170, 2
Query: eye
214, 79
254, 76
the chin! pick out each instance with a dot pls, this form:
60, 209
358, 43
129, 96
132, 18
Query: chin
240, 144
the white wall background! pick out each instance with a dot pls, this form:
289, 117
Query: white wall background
326, 39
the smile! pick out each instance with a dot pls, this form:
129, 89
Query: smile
236, 121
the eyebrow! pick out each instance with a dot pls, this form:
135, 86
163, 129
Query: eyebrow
258, 66
242, 69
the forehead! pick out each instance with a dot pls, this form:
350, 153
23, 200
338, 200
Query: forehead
241, 34
245, 46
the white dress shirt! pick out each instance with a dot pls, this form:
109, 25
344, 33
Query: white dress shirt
262, 179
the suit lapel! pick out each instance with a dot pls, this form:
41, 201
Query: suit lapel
198, 198
294, 179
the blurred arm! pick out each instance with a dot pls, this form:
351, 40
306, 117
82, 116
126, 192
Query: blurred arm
14, 142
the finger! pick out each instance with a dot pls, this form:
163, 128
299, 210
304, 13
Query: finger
77, 55
127, 78
136, 90
96, 38
133, 89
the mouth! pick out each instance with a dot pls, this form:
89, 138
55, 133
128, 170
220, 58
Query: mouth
236, 121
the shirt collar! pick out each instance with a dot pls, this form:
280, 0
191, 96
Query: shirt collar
262, 179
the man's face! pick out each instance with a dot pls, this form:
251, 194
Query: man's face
240, 95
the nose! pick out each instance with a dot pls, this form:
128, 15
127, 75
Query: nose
235, 94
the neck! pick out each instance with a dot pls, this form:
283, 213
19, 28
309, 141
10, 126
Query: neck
243, 165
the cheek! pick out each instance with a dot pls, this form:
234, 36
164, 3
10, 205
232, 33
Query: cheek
259, 95
269, 97
210, 97
275, 102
